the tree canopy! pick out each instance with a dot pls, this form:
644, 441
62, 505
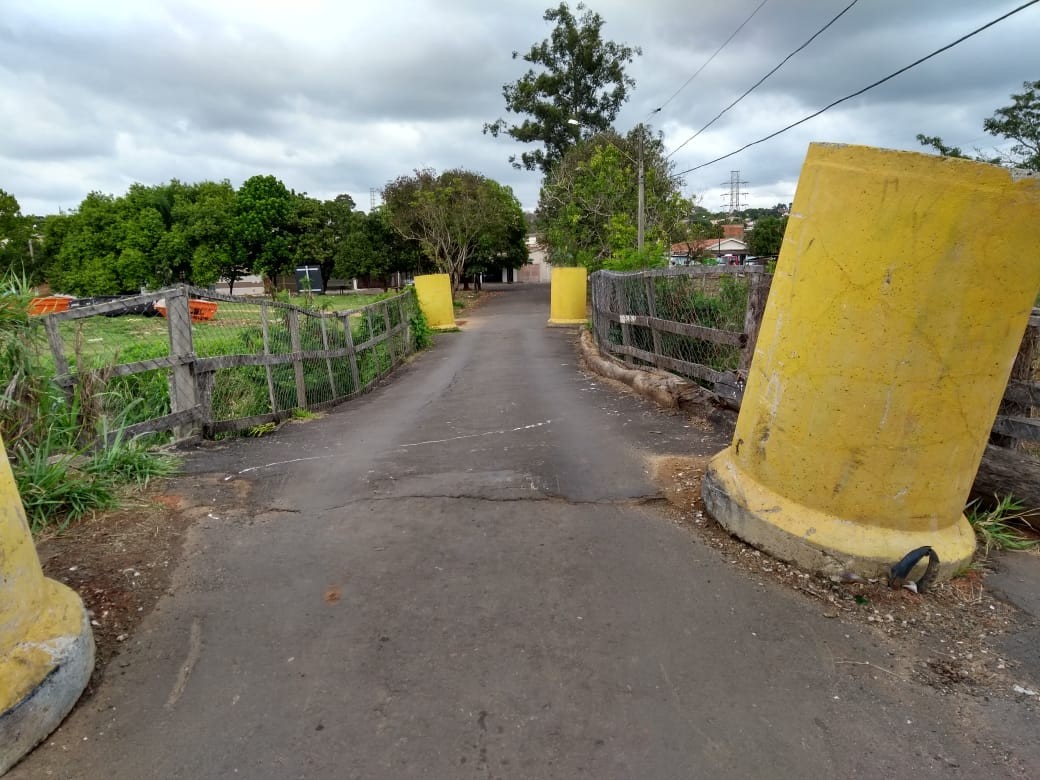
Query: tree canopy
1019, 122
766, 236
17, 236
458, 217
582, 78
588, 207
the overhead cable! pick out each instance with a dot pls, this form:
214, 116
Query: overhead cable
713, 56
867, 88
758, 83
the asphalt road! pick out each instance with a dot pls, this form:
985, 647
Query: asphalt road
468, 574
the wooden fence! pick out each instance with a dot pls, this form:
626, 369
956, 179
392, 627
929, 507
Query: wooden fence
250, 364
714, 313
701, 322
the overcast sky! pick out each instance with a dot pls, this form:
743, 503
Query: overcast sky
341, 97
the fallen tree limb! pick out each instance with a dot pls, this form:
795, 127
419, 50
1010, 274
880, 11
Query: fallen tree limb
1004, 471
667, 390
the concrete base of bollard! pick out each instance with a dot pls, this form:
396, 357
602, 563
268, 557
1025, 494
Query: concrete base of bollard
47, 670
816, 540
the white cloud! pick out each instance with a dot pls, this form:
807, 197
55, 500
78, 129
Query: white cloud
341, 97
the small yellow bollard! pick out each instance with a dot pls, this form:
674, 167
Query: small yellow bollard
902, 293
567, 296
46, 645
434, 293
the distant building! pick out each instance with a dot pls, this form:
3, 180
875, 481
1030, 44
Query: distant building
538, 268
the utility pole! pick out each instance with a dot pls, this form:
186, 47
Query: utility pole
641, 218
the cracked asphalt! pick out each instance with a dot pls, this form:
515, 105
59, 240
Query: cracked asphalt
467, 573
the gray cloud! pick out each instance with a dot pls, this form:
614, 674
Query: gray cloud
335, 97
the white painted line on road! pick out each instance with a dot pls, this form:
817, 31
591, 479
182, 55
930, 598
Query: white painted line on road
477, 435
276, 463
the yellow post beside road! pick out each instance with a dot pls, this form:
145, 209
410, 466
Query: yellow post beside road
567, 296
434, 294
900, 298
46, 645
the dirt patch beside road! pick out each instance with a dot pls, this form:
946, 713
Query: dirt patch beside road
947, 638
120, 563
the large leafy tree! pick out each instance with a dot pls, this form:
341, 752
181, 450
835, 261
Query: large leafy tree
1019, 122
262, 227
767, 235
456, 217
581, 77
373, 249
321, 228
16, 234
588, 207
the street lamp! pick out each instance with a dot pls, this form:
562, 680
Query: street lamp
641, 208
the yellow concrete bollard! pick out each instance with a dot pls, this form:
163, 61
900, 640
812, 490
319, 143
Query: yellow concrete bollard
901, 295
46, 645
567, 296
434, 293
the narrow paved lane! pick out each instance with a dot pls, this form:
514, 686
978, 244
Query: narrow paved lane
466, 574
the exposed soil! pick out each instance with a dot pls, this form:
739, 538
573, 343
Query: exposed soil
120, 563
946, 637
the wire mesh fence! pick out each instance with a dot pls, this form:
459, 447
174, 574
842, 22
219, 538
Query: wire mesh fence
698, 322
184, 358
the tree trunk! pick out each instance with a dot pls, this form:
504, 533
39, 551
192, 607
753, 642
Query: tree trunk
1004, 472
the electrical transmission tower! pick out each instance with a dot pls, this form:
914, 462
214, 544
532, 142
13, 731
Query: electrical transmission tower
371, 198
736, 195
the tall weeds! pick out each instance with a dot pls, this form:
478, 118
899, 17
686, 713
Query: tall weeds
64, 462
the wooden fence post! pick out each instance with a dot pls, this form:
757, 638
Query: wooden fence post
267, 352
758, 293
297, 360
204, 384
354, 372
651, 309
328, 360
183, 395
1018, 397
389, 334
61, 363
626, 329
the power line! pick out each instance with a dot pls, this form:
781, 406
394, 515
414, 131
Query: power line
758, 83
867, 88
708, 61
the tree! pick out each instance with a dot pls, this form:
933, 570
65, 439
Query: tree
262, 226
455, 217
373, 249
767, 236
320, 229
588, 207
583, 79
1019, 122
16, 235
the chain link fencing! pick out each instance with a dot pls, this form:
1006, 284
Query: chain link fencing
186, 359
699, 322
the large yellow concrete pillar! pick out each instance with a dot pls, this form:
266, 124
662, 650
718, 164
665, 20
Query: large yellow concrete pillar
568, 296
46, 646
434, 294
900, 298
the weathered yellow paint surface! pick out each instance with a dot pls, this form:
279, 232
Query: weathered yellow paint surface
900, 298
39, 618
567, 296
434, 293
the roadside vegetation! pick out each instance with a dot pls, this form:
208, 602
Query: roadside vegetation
64, 462
1002, 526
65, 444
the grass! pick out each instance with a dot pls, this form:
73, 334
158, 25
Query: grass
51, 432
996, 528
